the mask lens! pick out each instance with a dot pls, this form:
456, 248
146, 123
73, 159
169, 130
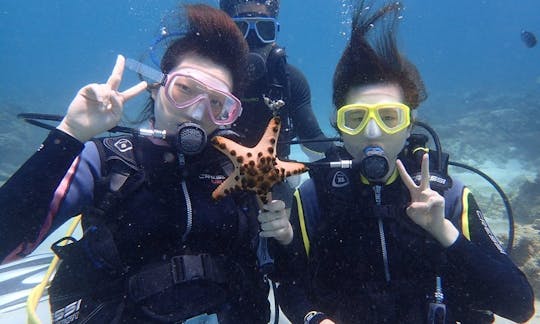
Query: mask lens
243, 26
392, 117
185, 91
221, 106
224, 108
354, 118
266, 30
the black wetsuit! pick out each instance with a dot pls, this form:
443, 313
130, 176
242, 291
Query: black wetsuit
369, 263
161, 249
297, 115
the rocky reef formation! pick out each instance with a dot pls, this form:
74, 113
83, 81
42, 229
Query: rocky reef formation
526, 251
526, 202
18, 140
497, 132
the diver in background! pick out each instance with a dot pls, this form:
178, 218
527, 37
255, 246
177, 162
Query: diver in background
390, 240
274, 86
156, 247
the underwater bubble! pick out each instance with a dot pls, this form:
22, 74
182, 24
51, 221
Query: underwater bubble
346, 9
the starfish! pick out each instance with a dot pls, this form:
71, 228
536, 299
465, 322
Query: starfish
257, 168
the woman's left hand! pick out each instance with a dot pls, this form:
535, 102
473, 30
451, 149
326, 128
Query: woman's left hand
427, 205
274, 219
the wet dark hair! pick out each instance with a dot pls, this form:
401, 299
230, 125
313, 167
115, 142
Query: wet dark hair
210, 33
372, 56
213, 35
230, 6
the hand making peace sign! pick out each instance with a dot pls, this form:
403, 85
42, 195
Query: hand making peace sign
427, 205
98, 107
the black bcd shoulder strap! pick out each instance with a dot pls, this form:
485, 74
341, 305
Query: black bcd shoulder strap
121, 172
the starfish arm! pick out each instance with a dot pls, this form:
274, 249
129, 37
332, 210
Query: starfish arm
257, 168
288, 169
226, 187
229, 147
271, 133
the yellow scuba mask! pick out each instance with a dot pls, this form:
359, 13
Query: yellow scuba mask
390, 117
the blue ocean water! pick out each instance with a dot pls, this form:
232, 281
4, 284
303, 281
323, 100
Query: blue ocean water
50, 49
459, 46
463, 48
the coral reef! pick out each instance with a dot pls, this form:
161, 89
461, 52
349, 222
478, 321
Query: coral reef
18, 140
526, 202
497, 132
526, 253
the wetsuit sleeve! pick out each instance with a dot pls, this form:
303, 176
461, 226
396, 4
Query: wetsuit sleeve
33, 199
292, 272
303, 118
480, 273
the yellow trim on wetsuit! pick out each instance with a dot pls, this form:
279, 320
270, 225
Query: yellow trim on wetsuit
302, 221
465, 213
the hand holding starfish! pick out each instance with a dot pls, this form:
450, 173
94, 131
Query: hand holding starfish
257, 169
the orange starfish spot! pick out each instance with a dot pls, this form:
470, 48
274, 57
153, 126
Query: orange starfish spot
256, 168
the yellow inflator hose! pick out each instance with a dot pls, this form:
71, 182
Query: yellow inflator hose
36, 292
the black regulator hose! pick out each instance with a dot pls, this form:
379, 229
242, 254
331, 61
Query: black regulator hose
34, 119
506, 201
436, 141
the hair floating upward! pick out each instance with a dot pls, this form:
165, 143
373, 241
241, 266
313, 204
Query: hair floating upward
372, 55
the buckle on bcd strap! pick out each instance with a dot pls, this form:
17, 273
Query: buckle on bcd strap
178, 270
188, 267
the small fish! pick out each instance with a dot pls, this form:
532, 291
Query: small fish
528, 38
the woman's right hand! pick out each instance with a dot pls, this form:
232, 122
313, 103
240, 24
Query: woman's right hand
274, 220
98, 107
